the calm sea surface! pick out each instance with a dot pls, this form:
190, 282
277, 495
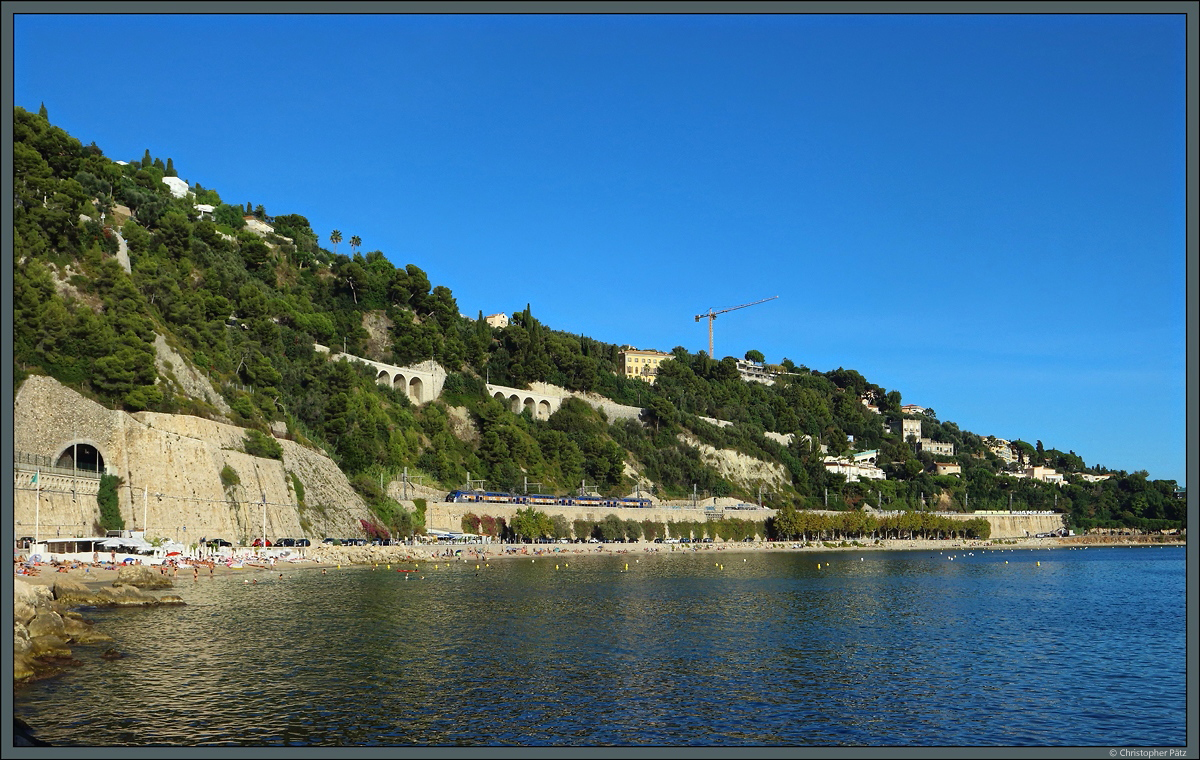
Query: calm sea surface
706, 649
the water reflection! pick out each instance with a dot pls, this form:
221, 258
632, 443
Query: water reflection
892, 649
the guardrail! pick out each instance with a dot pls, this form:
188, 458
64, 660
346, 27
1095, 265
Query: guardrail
30, 462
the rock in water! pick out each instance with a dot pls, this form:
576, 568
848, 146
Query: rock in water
142, 576
70, 592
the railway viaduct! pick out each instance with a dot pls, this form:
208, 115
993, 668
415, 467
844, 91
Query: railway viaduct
421, 383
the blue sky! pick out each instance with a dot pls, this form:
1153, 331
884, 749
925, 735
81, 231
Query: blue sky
986, 213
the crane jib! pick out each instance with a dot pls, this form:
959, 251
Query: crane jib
711, 314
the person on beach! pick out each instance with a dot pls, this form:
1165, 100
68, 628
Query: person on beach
195, 573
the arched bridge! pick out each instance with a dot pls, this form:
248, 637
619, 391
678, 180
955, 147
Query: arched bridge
540, 405
421, 383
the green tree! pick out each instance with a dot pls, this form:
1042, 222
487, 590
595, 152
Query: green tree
110, 506
258, 444
335, 237
530, 524
355, 242
755, 356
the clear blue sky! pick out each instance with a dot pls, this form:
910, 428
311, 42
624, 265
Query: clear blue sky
986, 213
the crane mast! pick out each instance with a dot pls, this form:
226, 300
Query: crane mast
711, 315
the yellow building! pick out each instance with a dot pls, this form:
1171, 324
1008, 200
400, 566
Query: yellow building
642, 364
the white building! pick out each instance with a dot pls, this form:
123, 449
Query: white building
1002, 449
754, 372
853, 470
1045, 474
497, 320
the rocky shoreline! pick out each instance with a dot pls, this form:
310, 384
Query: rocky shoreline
46, 624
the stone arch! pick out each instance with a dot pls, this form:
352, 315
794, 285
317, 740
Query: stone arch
82, 456
529, 405
383, 378
498, 396
415, 387
543, 410
514, 403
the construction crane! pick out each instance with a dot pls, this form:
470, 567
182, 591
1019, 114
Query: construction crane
713, 315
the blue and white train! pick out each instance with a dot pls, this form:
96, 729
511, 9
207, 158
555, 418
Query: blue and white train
545, 500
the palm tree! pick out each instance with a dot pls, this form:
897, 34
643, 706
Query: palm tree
355, 242
335, 237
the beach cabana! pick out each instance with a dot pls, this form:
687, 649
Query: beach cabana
136, 544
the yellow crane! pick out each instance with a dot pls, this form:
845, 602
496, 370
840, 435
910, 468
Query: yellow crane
711, 315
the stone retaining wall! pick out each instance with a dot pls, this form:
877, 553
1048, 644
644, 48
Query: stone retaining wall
171, 466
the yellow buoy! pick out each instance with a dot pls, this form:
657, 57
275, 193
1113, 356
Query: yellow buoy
477, 567
1039, 564
389, 567
818, 565
556, 567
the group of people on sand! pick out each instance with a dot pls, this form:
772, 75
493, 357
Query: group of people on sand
25, 566
196, 564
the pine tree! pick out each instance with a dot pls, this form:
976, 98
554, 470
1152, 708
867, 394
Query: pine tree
42, 112
171, 168
147, 160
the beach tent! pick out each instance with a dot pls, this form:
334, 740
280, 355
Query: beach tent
137, 544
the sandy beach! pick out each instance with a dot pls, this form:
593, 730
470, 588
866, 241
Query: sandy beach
335, 556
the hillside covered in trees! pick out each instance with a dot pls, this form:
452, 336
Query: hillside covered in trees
245, 306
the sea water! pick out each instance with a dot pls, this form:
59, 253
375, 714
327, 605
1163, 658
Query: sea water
962, 647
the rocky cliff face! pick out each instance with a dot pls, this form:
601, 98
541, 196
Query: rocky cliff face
171, 466
738, 468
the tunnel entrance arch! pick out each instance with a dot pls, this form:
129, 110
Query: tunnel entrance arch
82, 457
